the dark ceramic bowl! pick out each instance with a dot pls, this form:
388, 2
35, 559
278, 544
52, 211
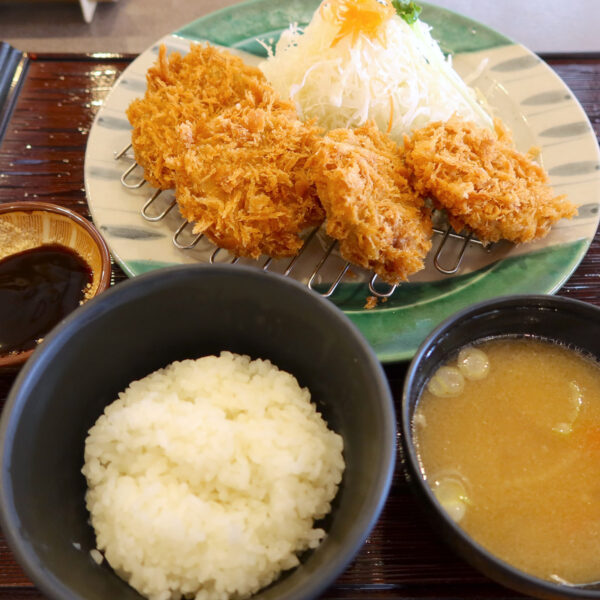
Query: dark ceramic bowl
569, 322
146, 323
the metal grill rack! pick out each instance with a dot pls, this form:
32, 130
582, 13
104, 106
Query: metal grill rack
381, 290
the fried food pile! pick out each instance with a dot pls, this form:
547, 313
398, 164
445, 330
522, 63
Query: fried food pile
212, 128
251, 176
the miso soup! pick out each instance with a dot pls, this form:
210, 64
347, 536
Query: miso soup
508, 435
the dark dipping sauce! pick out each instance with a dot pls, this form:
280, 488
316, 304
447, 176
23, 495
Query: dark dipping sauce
38, 288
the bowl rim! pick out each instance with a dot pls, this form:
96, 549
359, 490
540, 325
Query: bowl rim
528, 583
42, 358
16, 359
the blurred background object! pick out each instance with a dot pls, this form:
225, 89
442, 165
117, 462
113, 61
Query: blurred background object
87, 8
130, 26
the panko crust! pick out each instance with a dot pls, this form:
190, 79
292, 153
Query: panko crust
179, 89
481, 180
242, 179
380, 222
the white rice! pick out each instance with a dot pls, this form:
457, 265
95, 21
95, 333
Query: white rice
205, 477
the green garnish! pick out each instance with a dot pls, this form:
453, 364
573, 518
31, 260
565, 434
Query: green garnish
407, 10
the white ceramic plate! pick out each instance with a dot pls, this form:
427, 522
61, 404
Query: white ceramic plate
517, 85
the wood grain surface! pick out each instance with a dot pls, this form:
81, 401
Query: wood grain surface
41, 158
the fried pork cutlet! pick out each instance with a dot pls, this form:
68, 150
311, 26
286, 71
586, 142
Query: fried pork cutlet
483, 182
381, 224
196, 86
242, 179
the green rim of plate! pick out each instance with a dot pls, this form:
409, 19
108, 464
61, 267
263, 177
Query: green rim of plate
395, 328
241, 25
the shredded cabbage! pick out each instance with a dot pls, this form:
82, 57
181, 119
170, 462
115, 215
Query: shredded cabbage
401, 79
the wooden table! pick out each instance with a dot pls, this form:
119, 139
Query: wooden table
41, 157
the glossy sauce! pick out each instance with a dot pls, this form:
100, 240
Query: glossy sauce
38, 288
514, 456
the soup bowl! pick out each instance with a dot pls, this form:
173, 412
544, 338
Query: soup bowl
570, 323
144, 324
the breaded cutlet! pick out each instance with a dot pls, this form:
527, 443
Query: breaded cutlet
186, 88
242, 180
484, 184
380, 222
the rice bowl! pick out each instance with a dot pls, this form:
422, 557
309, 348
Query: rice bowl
115, 339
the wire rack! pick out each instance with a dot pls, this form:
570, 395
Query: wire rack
131, 181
